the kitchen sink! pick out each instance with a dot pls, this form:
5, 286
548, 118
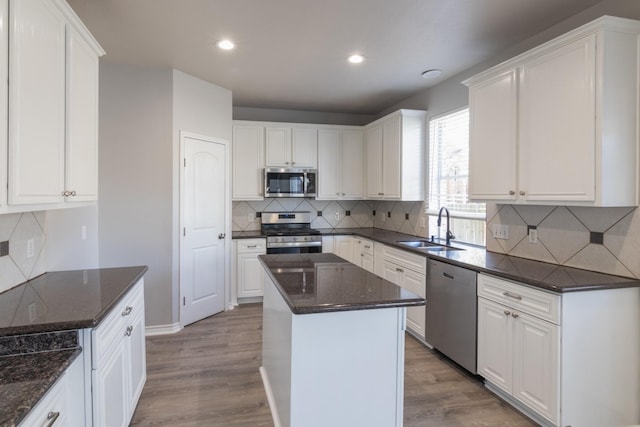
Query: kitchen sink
428, 245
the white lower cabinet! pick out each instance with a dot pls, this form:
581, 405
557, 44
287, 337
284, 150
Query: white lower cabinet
343, 247
60, 407
249, 272
569, 359
363, 253
409, 271
118, 361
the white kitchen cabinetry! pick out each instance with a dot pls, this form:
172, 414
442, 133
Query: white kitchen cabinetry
557, 124
249, 272
295, 146
248, 161
395, 153
340, 164
59, 407
327, 245
549, 354
118, 361
53, 105
408, 271
343, 247
363, 253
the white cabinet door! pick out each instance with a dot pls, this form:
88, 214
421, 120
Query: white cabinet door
352, 164
374, 161
135, 348
250, 275
493, 143
329, 167
343, 246
327, 245
81, 165
495, 350
416, 283
248, 162
110, 389
304, 148
4, 99
391, 157
557, 131
36, 102
278, 146
536, 364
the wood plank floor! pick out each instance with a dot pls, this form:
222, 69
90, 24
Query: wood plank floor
207, 375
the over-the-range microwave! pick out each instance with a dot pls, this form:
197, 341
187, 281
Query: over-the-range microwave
290, 182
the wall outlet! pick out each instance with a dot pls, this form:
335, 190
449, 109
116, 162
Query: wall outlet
533, 235
423, 222
30, 248
337, 216
83, 232
500, 231
250, 217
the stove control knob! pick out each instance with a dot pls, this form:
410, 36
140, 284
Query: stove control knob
295, 239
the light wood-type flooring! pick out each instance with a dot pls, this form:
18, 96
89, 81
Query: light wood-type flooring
207, 375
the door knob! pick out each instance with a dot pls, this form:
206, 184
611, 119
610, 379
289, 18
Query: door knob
221, 236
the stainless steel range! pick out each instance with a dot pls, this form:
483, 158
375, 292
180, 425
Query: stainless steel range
290, 233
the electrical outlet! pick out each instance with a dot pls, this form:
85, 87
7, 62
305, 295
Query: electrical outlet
337, 216
30, 248
501, 231
33, 312
423, 222
83, 232
250, 217
533, 235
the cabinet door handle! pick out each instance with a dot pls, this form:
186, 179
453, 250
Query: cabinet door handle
522, 193
510, 295
507, 312
367, 246
127, 311
252, 246
515, 315
293, 163
127, 333
448, 276
51, 418
511, 192
399, 270
221, 236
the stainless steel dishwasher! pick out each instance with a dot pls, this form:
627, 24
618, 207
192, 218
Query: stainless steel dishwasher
452, 312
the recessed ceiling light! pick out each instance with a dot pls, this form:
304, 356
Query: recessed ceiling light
431, 74
356, 58
225, 44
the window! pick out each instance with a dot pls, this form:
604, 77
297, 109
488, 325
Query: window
449, 178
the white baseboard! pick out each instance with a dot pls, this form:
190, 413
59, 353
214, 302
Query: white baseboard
270, 397
153, 330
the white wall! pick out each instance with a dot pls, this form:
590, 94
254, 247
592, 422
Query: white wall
136, 178
66, 250
202, 108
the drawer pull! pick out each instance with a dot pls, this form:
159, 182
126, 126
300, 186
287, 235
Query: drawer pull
51, 418
252, 246
510, 295
128, 331
448, 276
515, 315
127, 311
399, 270
507, 312
367, 246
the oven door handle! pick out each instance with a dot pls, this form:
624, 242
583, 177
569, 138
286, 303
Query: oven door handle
294, 245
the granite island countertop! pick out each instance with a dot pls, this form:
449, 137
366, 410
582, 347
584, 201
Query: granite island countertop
320, 283
39, 320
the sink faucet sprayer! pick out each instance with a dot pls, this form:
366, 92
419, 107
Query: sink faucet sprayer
449, 234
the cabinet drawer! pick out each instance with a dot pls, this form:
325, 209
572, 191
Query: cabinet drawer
105, 337
252, 245
52, 405
406, 259
543, 305
366, 246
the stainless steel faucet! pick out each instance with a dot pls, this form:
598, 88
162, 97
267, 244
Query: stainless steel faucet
449, 234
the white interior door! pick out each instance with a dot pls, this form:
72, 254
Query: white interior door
203, 219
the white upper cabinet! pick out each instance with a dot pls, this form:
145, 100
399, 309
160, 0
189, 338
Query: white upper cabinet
248, 161
395, 147
4, 98
340, 164
53, 105
558, 124
292, 147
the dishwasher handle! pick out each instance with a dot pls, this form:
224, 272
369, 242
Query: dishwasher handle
448, 276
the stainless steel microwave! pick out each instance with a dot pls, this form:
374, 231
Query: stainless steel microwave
290, 182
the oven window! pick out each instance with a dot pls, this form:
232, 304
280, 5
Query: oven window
285, 183
294, 250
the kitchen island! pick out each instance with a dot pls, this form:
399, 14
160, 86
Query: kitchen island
333, 342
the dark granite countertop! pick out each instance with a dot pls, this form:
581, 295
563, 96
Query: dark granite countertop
29, 366
551, 277
320, 283
64, 300
252, 234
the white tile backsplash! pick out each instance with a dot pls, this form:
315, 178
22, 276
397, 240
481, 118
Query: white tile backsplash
19, 229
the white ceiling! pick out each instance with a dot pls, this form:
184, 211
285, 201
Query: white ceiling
292, 54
